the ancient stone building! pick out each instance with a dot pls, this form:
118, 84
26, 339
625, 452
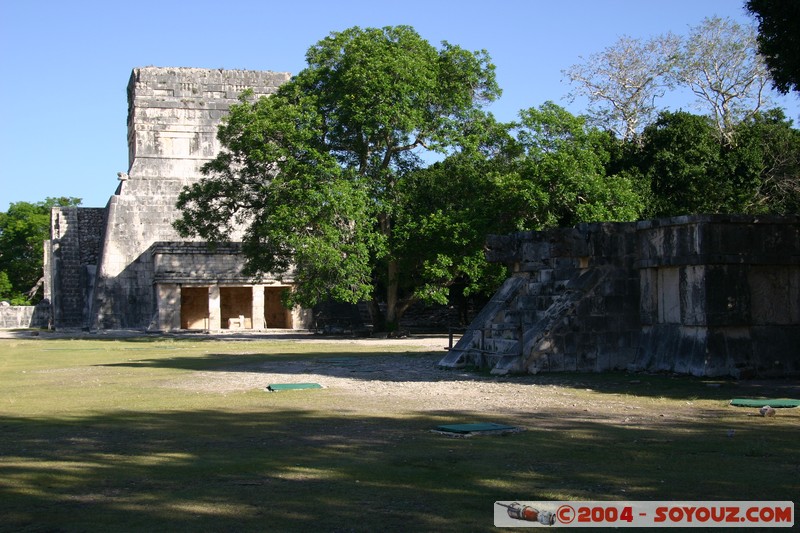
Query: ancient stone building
705, 295
124, 266
702, 295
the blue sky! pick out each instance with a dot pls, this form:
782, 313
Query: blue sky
64, 65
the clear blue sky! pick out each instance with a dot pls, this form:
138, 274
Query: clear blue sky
64, 65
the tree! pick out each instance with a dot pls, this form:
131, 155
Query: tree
779, 40
767, 155
551, 174
444, 212
23, 229
562, 172
623, 82
313, 172
683, 167
717, 61
688, 169
679, 159
720, 64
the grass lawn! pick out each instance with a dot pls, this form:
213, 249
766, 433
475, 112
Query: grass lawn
110, 435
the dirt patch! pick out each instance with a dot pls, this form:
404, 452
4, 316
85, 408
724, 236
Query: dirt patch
413, 383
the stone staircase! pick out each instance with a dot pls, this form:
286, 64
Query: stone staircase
529, 323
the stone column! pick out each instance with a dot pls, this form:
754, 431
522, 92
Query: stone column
258, 307
214, 312
168, 303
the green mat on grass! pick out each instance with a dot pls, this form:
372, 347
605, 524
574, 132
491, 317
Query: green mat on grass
292, 386
474, 428
772, 402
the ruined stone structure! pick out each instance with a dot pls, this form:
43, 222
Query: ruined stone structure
701, 295
124, 266
25, 316
705, 295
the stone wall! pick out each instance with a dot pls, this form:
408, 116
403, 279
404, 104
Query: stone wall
71, 262
202, 287
199, 263
703, 295
720, 295
25, 316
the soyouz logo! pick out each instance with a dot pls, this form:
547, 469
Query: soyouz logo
644, 514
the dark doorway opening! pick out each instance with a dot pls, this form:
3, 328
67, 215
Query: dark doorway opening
194, 307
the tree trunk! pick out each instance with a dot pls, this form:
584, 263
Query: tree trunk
378, 320
32, 293
392, 284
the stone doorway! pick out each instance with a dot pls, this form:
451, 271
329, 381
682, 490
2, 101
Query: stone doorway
275, 314
236, 307
194, 308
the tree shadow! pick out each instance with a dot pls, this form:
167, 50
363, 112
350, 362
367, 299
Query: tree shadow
140, 336
298, 470
339, 360
422, 367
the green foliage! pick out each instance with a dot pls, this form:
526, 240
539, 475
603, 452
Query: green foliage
767, 156
679, 159
444, 213
779, 40
23, 229
562, 172
550, 174
684, 167
7, 292
313, 171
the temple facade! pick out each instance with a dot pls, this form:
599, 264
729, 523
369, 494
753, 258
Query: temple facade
124, 266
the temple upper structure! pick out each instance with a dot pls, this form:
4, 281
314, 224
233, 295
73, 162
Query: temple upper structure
124, 266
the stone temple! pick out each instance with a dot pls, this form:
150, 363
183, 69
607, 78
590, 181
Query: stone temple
124, 266
703, 295
708, 295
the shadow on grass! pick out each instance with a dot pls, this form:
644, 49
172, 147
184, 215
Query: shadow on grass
298, 470
143, 337
362, 366
422, 367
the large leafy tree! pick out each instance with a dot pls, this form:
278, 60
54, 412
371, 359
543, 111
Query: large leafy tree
313, 173
562, 172
779, 40
766, 156
23, 229
444, 212
679, 160
684, 167
545, 170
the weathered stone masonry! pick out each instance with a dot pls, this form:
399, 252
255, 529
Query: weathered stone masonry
107, 265
74, 254
199, 287
703, 295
